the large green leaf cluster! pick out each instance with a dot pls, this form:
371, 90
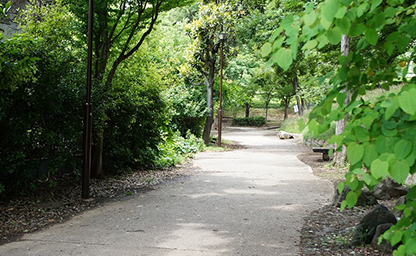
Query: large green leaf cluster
380, 134
40, 117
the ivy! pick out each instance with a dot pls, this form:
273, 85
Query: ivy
380, 133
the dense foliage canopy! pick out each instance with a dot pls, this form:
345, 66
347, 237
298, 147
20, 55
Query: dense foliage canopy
380, 133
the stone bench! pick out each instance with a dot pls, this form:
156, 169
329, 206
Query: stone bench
324, 151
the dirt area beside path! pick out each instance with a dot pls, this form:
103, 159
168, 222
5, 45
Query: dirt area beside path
328, 231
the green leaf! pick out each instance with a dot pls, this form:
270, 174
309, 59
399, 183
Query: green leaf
375, 4
344, 24
346, 2
352, 182
276, 33
399, 170
341, 98
310, 45
397, 237
367, 178
340, 187
358, 29
407, 101
402, 149
379, 20
343, 205
322, 40
355, 153
379, 168
334, 35
361, 134
410, 246
370, 154
284, 58
371, 36
391, 109
278, 43
325, 24
412, 193
367, 121
389, 132
287, 22
361, 9
330, 9
310, 18
402, 43
342, 10
351, 199
266, 49
400, 251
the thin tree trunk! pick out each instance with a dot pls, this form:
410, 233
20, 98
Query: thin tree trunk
341, 156
295, 84
267, 109
209, 83
97, 157
247, 109
210, 118
286, 109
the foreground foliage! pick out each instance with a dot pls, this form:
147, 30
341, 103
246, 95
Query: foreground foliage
380, 135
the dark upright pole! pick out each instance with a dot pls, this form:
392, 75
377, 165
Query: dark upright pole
87, 118
220, 109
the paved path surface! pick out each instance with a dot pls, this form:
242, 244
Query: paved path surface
244, 202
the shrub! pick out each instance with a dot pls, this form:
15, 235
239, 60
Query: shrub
175, 149
133, 127
249, 121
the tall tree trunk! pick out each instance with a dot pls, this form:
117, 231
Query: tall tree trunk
304, 104
97, 156
247, 105
295, 83
287, 101
209, 83
341, 156
267, 109
103, 40
210, 118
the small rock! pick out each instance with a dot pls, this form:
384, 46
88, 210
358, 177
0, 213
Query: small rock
396, 212
284, 135
388, 188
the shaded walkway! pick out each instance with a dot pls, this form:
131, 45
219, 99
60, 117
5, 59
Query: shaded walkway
244, 202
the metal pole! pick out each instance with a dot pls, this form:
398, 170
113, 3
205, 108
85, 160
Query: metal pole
220, 109
87, 117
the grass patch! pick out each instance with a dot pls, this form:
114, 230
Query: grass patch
291, 125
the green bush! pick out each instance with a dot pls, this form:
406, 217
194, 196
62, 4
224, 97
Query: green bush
40, 118
188, 108
175, 149
249, 121
133, 127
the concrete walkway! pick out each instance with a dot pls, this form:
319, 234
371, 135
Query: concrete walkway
244, 202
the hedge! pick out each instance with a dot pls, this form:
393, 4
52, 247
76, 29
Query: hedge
249, 121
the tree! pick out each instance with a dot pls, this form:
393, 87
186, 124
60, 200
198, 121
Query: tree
203, 53
120, 29
380, 134
32, 110
265, 82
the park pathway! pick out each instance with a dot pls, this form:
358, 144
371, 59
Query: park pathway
244, 202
